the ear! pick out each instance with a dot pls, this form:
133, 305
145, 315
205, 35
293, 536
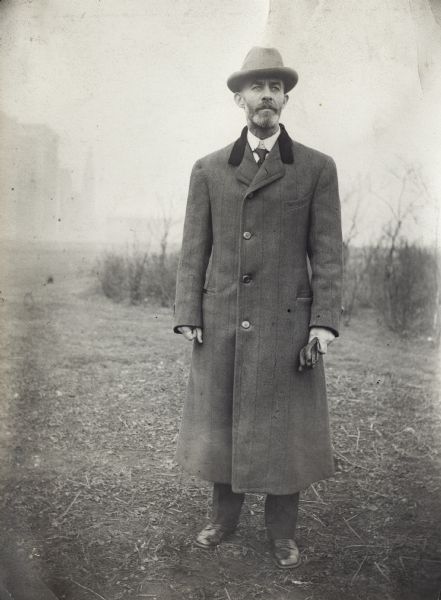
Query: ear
239, 100
285, 100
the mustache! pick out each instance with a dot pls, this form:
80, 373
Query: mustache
267, 106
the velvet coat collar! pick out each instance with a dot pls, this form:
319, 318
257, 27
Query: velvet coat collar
284, 141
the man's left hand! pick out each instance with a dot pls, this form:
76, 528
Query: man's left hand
325, 337
319, 338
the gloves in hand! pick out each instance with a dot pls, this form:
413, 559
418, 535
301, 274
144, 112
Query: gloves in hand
319, 338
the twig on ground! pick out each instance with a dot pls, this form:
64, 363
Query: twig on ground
255, 551
354, 516
77, 483
402, 565
421, 559
353, 530
381, 571
317, 494
228, 595
58, 519
373, 492
88, 589
123, 421
350, 461
354, 577
120, 500
345, 430
366, 546
315, 517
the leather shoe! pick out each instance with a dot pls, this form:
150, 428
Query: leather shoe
212, 535
286, 553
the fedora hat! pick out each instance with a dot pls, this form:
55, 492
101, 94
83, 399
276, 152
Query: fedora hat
265, 63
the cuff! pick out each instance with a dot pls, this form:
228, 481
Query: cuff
334, 331
175, 328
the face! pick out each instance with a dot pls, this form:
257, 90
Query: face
263, 101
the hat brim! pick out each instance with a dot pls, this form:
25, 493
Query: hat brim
287, 75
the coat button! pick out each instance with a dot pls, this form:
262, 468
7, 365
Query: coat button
250, 195
246, 324
246, 278
247, 235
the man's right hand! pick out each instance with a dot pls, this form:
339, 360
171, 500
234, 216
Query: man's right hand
191, 333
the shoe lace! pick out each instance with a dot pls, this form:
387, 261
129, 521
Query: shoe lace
214, 527
285, 543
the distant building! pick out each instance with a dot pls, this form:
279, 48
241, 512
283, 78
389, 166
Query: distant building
38, 202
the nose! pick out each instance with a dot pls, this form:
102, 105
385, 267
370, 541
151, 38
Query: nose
267, 93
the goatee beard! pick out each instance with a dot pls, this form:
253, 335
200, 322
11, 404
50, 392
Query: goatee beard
265, 121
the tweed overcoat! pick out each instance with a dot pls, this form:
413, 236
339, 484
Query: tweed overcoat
261, 262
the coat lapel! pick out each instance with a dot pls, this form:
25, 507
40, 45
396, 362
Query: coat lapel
248, 169
271, 170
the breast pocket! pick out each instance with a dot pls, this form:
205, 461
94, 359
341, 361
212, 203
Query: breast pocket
297, 203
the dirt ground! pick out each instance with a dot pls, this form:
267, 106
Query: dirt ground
91, 394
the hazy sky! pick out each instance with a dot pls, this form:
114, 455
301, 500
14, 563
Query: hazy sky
140, 86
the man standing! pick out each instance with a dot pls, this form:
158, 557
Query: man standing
259, 294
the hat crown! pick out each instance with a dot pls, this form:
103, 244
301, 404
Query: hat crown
263, 63
262, 58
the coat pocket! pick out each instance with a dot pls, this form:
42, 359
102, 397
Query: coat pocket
208, 291
290, 205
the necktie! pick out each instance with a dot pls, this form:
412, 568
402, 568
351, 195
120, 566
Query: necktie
261, 152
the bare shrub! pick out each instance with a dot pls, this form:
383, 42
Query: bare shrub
136, 272
355, 260
356, 289
159, 282
398, 278
113, 276
401, 285
139, 277
404, 287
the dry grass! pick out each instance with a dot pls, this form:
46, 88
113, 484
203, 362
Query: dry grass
91, 400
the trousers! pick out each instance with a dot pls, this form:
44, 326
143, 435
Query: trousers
280, 511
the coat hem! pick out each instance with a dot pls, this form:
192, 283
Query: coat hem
281, 491
275, 491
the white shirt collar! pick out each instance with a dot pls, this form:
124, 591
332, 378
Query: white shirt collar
267, 143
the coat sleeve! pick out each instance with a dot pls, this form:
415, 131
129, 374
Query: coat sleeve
195, 253
325, 251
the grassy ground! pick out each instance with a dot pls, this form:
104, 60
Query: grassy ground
91, 394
